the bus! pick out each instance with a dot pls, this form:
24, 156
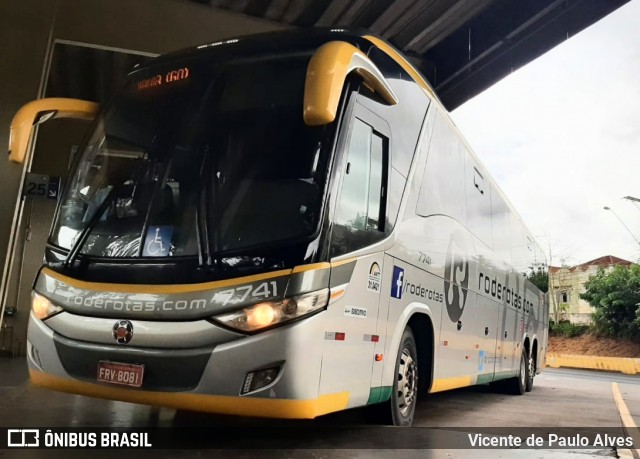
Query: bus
281, 225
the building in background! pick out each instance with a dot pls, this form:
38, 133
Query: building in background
567, 283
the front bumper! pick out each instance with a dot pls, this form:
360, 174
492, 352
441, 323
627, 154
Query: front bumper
207, 378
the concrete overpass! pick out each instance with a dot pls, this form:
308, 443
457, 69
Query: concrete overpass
462, 46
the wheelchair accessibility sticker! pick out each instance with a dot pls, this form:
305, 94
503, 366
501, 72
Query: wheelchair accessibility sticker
158, 241
481, 362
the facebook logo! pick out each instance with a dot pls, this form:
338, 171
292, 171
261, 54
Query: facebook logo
396, 282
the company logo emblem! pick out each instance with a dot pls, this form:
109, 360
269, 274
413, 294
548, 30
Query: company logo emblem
397, 281
122, 331
375, 275
456, 277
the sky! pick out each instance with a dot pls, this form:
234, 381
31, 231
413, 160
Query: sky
561, 137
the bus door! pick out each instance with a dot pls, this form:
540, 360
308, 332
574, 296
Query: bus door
351, 334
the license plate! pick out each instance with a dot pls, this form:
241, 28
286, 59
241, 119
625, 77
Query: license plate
125, 374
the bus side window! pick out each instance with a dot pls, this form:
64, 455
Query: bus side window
360, 213
443, 188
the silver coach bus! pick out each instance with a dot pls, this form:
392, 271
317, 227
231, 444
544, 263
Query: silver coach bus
282, 225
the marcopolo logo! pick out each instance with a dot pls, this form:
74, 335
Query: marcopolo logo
122, 331
456, 277
397, 282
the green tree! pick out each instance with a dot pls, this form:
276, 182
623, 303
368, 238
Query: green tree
615, 295
540, 278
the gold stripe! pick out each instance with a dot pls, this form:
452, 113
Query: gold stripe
335, 296
186, 288
335, 264
172, 288
311, 267
396, 56
223, 404
443, 384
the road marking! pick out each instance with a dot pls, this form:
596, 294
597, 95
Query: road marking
628, 424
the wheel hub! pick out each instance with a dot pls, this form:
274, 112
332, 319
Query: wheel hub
407, 382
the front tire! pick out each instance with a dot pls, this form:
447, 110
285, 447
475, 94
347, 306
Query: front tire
404, 392
401, 406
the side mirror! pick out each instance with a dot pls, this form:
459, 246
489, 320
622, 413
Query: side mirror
326, 74
37, 112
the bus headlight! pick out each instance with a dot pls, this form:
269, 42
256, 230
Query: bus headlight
43, 308
271, 313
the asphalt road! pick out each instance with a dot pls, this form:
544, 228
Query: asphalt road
564, 402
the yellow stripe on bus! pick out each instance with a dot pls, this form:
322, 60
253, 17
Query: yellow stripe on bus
150, 288
443, 384
396, 56
335, 264
311, 267
223, 404
185, 288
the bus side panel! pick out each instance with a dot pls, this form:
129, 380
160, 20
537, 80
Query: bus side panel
350, 325
408, 290
507, 343
482, 320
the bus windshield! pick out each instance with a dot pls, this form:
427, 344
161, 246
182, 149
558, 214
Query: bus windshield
196, 154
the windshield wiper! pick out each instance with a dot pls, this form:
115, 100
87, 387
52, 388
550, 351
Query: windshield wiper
95, 218
202, 220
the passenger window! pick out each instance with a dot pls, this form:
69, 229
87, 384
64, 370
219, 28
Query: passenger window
376, 190
443, 182
352, 208
359, 219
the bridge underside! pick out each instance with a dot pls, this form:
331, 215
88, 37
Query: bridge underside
462, 46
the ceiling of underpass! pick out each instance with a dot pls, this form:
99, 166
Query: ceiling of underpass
461, 46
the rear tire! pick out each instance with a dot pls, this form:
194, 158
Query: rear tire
518, 385
531, 373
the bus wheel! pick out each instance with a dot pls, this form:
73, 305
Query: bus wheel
531, 373
518, 385
399, 409
405, 390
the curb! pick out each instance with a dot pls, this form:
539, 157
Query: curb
628, 424
623, 365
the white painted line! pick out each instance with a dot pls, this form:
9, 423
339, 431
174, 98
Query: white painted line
628, 423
